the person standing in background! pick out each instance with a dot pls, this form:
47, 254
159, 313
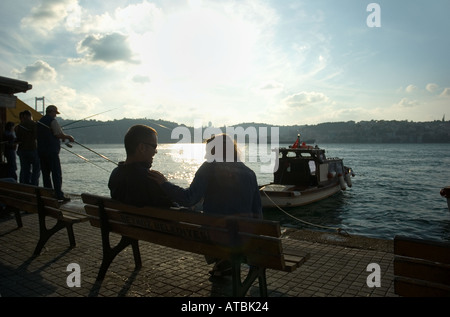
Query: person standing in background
49, 134
26, 133
9, 141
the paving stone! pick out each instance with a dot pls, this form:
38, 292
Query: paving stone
331, 271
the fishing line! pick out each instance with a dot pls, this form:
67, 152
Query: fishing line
101, 155
85, 126
162, 126
86, 160
69, 145
87, 117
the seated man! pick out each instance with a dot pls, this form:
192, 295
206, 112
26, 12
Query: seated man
130, 183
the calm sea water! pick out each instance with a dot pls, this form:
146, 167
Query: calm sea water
395, 190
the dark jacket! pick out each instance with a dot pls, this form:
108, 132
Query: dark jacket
26, 134
130, 184
46, 140
228, 188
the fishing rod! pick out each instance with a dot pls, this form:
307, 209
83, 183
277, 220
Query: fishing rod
101, 155
162, 126
87, 117
69, 145
85, 159
84, 126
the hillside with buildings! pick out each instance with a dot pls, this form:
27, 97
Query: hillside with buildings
374, 131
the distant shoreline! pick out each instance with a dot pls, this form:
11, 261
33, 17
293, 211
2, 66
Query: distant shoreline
364, 132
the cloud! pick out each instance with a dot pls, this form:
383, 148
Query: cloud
407, 103
411, 88
431, 87
39, 71
139, 18
445, 93
269, 88
271, 85
108, 48
141, 79
66, 97
49, 14
304, 99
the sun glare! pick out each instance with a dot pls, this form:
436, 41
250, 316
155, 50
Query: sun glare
203, 44
187, 153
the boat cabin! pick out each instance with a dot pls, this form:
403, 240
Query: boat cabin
305, 167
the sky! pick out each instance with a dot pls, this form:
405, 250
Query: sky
225, 62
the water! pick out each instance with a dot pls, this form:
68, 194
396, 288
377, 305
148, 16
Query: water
395, 190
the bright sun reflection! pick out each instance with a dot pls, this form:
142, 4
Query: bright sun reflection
190, 153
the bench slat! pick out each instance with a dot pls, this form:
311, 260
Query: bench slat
422, 269
209, 235
73, 218
216, 235
418, 288
53, 212
265, 227
75, 210
25, 188
199, 247
34, 199
6, 192
74, 215
424, 249
19, 203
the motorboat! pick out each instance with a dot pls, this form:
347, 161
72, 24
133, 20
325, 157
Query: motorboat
304, 175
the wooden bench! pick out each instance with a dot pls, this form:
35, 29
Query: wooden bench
33, 199
255, 242
421, 267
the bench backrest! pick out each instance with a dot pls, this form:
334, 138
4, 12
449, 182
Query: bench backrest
223, 237
28, 197
421, 267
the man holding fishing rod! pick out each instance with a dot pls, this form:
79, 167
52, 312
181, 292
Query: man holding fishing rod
49, 134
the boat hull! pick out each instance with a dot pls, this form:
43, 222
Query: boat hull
273, 196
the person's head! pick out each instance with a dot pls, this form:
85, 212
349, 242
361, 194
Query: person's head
21, 116
51, 110
26, 115
140, 143
9, 126
221, 148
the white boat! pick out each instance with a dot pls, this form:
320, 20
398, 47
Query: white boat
304, 175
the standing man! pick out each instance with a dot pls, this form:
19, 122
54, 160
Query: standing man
49, 134
9, 140
26, 133
130, 182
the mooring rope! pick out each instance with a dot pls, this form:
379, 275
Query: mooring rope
338, 230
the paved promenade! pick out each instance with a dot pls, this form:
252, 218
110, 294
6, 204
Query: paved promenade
337, 267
